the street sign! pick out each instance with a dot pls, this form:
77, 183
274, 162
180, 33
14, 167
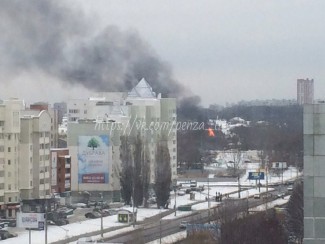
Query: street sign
256, 175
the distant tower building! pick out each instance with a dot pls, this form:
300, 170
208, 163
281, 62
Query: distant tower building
305, 91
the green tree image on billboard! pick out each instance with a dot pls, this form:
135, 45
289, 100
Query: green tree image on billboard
93, 143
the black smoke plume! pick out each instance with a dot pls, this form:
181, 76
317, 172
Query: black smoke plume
60, 41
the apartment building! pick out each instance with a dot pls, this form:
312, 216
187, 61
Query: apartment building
9, 156
314, 173
54, 120
95, 159
35, 141
60, 170
305, 91
139, 112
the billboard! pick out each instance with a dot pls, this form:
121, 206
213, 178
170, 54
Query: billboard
256, 175
93, 159
30, 220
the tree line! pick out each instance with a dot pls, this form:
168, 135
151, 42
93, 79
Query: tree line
136, 170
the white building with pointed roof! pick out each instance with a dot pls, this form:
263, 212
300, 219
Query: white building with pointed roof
139, 111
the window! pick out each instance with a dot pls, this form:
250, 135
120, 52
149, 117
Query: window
9, 149
2, 148
31, 183
2, 123
9, 187
9, 137
9, 162
9, 199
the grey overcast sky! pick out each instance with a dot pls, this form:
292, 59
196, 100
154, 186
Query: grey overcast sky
222, 50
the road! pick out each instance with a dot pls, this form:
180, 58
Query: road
153, 231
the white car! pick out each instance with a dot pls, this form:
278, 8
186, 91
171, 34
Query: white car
257, 196
181, 193
183, 224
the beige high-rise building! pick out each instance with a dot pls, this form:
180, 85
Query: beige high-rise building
9, 156
139, 112
34, 180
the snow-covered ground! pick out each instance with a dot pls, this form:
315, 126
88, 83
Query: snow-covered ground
56, 233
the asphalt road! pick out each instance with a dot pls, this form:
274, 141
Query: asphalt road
155, 230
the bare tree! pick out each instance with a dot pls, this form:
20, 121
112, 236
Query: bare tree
126, 177
234, 164
162, 174
146, 174
137, 167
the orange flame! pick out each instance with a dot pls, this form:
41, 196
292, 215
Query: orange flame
211, 132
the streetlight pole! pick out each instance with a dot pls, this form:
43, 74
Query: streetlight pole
238, 186
175, 200
209, 198
101, 216
45, 224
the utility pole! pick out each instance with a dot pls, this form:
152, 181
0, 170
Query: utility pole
267, 186
160, 226
175, 200
45, 224
101, 217
209, 198
238, 186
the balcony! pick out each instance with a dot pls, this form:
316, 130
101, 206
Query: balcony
67, 166
67, 175
41, 186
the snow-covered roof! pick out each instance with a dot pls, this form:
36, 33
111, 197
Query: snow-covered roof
142, 90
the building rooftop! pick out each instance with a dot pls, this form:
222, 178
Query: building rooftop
142, 90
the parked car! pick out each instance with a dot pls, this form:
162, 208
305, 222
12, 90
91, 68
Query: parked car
85, 240
4, 224
267, 196
181, 193
183, 224
93, 215
290, 188
65, 210
112, 211
152, 200
280, 195
257, 196
4, 234
79, 205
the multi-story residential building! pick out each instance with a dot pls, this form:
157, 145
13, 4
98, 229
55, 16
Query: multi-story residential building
95, 159
34, 180
139, 112
314, 173
305, 91
9, 156
54, 121
60, 170
62, 110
